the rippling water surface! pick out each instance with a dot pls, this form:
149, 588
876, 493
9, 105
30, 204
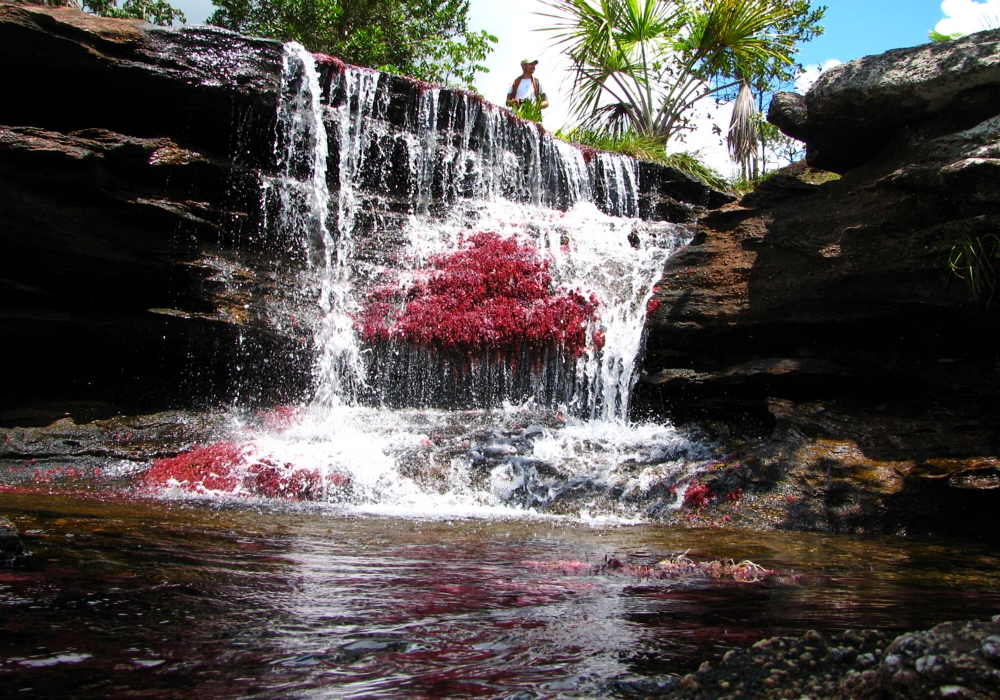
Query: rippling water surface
155, 598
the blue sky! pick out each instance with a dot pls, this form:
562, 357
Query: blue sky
856, 28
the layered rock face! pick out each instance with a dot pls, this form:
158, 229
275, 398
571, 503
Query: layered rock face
127, 163
827, 313
137, 270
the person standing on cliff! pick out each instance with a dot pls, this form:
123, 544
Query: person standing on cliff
527, 87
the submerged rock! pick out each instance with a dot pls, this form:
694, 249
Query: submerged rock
11, 547
957, 660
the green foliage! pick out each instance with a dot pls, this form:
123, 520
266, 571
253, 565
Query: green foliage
692, 165
647, 148
153, 11
425, 39
745, 184
530, 109
975, 259
935, 35
644, 65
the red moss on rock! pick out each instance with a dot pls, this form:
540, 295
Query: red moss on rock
227, 468
280, 417
492, 292
323, 59
697, 495
209, 468
588, 152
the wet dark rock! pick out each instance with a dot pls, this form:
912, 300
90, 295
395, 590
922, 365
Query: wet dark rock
126, 177
813, 666
89, 454
66, 70
955, 659
844, 466
11, 547
836, 292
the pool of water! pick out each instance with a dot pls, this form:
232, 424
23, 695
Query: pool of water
142, 597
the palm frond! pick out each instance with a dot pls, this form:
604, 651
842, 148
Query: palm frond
742, 136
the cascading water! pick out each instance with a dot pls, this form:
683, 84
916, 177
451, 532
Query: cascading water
302, 209
439, 410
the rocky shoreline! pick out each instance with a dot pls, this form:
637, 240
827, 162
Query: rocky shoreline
952, 660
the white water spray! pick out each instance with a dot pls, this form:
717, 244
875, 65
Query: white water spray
407, 193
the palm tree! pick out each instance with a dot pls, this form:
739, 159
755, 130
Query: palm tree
642, 65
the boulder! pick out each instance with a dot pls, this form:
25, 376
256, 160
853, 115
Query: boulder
854, 108
952, 660
837, 291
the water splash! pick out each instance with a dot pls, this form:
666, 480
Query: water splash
541, 429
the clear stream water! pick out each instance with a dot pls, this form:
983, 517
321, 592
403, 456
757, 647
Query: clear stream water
152, 598
465, 558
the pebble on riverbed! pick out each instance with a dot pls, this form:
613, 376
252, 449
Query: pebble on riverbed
953, 660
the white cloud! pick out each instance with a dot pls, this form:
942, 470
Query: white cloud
811, 74
967, 16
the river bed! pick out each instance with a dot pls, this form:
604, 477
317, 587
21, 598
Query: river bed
127, 596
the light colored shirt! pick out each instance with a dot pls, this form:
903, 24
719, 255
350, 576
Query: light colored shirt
524, 89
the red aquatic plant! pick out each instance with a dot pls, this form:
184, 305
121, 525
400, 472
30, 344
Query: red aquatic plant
676, 567
209, 468
229, 468
588, 152
491, 292
323, 59
697, 495
280, 417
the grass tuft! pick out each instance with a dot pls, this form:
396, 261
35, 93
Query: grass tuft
974, 259
646, 148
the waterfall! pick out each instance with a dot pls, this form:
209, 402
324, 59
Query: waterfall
387, 192
406, 196
303, 210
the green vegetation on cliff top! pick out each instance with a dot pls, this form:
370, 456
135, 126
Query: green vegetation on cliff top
424, 39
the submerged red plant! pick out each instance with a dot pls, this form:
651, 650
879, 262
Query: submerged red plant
209, 468
491, 292
227, 467
698, 495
